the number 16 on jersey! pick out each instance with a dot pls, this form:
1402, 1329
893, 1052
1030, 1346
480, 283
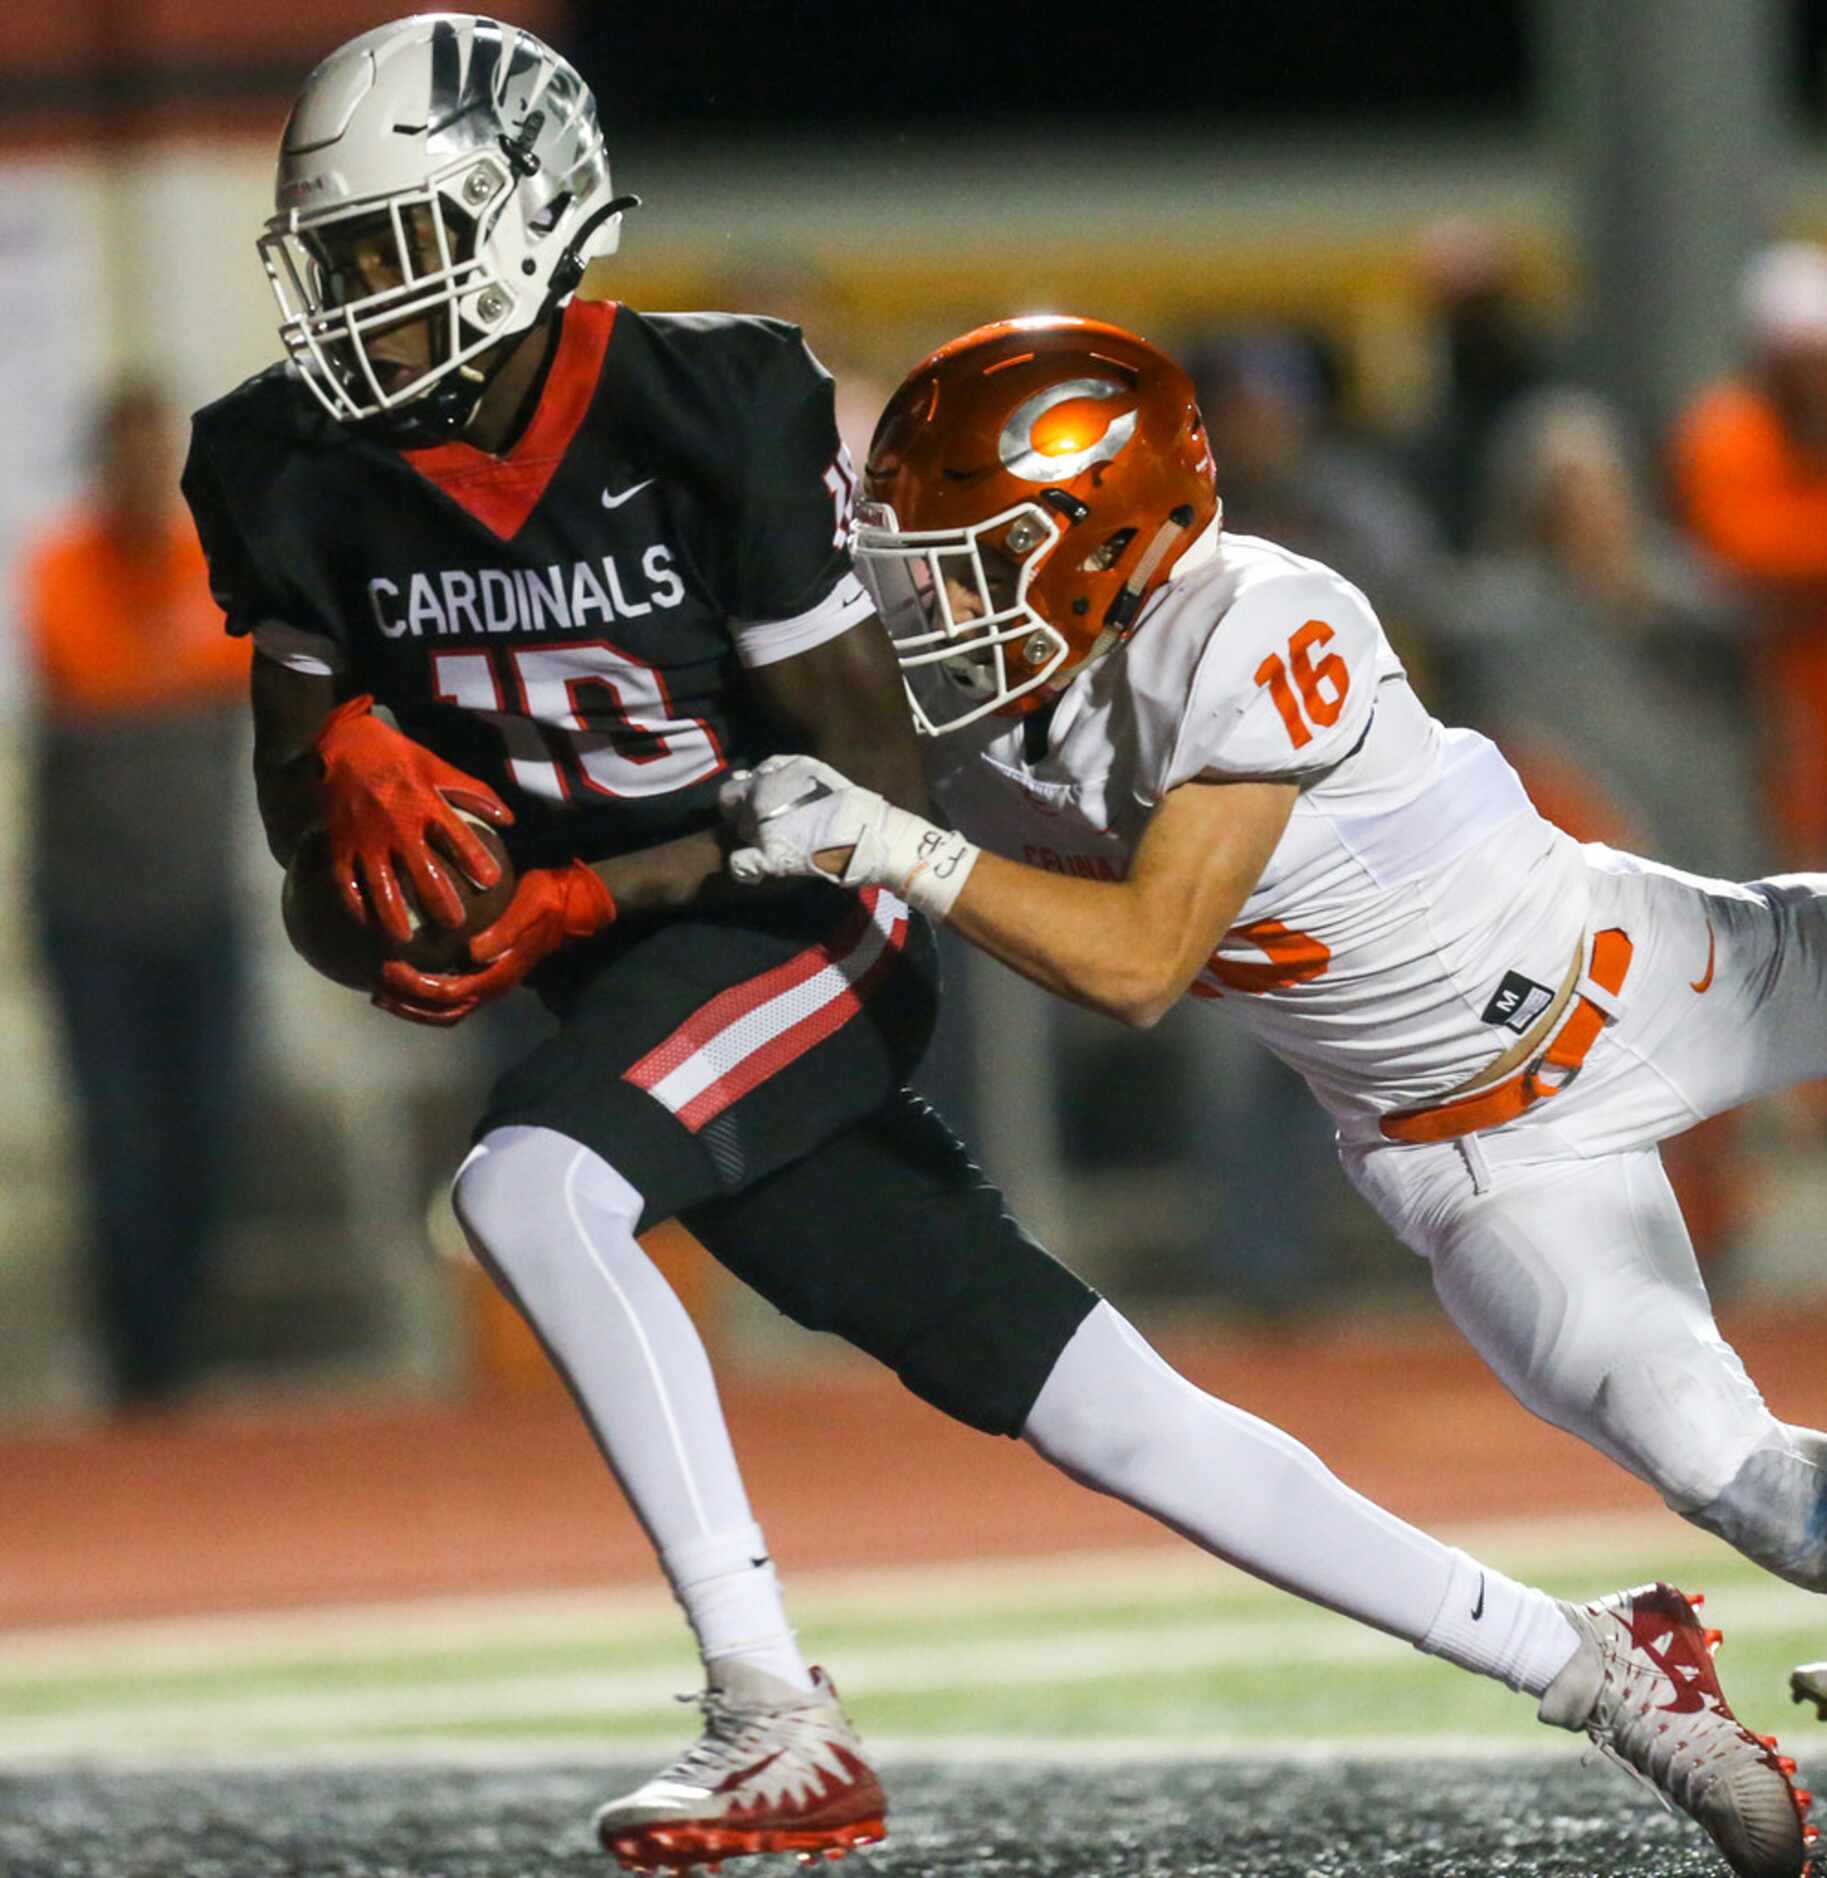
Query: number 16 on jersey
1321, 686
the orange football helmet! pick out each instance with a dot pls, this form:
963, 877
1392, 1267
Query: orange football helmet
1029, 487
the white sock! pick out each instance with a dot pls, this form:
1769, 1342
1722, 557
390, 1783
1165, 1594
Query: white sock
1491, 1624
726, 1584
553, 1223
1115, 1417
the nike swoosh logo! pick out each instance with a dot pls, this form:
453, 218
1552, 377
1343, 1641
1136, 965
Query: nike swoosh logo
730, 1782
615, 502
1478, 1608
1706, 977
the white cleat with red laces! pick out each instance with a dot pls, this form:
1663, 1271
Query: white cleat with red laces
1642, 1685
776, 1770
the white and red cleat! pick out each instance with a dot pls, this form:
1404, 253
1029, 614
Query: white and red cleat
1642, 1685
776, 1770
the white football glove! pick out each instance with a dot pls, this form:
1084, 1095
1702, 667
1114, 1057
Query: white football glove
795, 807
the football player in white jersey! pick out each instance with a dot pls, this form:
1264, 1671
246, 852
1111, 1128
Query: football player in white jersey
1183, 762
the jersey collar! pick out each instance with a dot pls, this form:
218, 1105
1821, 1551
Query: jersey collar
500, 492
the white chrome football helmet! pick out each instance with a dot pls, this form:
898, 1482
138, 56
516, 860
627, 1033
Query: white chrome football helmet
444, 169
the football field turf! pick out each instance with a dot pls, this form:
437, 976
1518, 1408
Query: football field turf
1132, 1712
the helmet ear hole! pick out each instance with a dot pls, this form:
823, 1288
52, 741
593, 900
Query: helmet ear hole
549, 217
1108, 552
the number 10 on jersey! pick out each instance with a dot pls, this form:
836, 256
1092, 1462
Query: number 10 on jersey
1321, 686
593, 720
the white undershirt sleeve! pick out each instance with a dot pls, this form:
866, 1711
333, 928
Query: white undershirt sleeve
765, 642
299, 651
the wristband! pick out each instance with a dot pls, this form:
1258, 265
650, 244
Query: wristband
927, 866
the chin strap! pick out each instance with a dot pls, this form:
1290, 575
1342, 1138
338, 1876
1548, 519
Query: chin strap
1123, 609
435, 417
1128, 603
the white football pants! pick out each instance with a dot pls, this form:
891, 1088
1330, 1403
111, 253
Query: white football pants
1556, 1242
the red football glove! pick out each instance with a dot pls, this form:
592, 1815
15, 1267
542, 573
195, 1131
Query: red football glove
385, 798
551, 905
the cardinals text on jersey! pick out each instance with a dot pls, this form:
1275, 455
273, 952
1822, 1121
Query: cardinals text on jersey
571, 621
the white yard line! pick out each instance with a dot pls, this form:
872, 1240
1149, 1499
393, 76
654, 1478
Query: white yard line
1142, 1575
1245, 1628
234, 1721
214, 1718
491, 1753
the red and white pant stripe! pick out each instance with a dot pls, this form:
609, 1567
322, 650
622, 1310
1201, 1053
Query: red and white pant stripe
755, 1029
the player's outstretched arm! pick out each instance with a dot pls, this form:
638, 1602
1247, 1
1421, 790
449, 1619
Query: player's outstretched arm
843, 701
1127, 948
1130, 948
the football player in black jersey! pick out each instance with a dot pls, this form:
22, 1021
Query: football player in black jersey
590, 561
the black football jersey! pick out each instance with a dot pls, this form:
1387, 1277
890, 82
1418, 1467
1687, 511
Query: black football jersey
562, 621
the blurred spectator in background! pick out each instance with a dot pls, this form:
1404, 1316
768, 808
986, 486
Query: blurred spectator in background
1592, 646
1259, 1150
135, 845
1750, 465
1489, 352
1287, 470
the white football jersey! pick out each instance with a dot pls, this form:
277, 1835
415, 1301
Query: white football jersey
1417, 914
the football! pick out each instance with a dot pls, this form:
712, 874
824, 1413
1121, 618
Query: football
323, 934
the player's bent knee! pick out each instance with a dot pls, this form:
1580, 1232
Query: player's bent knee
1774, 1509
490, 1189
1684, 1418
984, 1355
524, 1195
480, 1197
1083, 1439
1110, 1404
980, 1371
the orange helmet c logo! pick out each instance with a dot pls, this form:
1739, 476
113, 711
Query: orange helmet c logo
1061, 432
